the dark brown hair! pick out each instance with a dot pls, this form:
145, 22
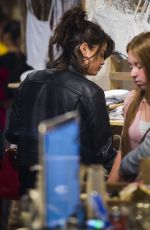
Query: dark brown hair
72, 30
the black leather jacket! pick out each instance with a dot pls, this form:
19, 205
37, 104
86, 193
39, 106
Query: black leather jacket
48, 93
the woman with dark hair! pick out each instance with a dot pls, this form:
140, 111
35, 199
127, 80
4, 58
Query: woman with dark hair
83, 46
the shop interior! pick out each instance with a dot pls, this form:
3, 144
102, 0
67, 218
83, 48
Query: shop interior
90, 201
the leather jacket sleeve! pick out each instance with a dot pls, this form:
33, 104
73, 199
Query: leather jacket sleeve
86, 97
98, 131
13, 131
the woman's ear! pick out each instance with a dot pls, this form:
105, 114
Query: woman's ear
84, 49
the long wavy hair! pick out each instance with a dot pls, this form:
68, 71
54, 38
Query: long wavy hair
140, 47
72, 30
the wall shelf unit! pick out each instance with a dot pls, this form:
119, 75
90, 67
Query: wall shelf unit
119, 73
118, 80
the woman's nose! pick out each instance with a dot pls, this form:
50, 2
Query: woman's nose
133, 72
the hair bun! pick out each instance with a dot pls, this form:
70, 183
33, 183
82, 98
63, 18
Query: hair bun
76, 16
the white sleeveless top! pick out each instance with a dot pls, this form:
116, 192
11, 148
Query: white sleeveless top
38, 33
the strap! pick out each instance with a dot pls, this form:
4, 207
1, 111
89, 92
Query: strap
145, 10
51, 10
137, 8
145, 135
29, 6
148, 15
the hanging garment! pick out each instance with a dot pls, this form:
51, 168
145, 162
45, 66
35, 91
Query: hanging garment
121, 26
60, 7
38, 33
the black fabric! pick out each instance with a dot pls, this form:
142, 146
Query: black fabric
15, 64
48, 93
28, 179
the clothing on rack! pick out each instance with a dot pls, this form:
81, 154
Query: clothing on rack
122, 25
38, 32
37, 39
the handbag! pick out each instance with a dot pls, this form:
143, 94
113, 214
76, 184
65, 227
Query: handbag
9, 175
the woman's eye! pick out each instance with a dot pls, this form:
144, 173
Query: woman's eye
139, 66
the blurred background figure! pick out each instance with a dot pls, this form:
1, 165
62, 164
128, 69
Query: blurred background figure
3, 51
12, 65
3, 21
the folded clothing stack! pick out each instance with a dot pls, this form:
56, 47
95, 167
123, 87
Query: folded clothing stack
114, 101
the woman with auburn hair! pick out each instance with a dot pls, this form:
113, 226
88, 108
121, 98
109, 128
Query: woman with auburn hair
137, 103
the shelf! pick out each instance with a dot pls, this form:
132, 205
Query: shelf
119, 80
13, 85
116, 122
120, 76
